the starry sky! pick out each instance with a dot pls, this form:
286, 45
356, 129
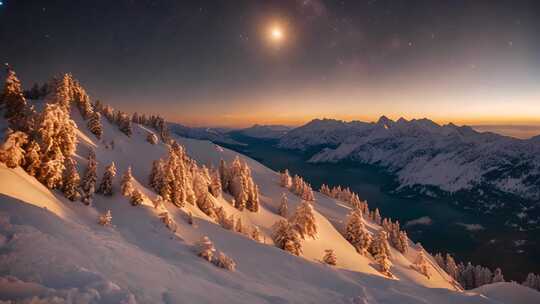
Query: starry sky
214, 63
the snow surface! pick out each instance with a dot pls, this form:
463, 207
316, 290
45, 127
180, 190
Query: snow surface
53, 250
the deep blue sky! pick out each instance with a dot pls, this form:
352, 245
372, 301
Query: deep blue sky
211, 62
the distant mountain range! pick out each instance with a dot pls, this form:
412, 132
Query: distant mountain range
424, 153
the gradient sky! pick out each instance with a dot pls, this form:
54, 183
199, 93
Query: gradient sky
212, 63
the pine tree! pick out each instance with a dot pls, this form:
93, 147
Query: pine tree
532, 281
380, 244
285, 179
105, 219
71, 181
125, 124
52, 168
168, 221
440, 260
329, 257
283, 207
215, 185
356, 233
451, 267
105, 187
225, 262
207, 205
126, 184
239, 227
205, 249
94, 124
377, 216
384, 263
223, 175
286, 237
136, 197
32, 158
156, 175
256, 234
498, 276
12, 153
17, 110
56, 130
158, 202
304, 220
421, 264
88, 183
152, 138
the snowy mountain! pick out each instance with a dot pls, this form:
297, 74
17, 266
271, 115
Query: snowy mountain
265, 131
213, 134
423, 153
130, 245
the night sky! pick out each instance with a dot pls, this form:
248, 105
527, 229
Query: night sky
216, 63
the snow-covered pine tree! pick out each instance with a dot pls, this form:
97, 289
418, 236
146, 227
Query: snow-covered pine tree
256, 234
497, 276
330, 257
168, 221
135, 118
223, 219
532, 281
421, 264
215, 185
304, 221
17, 112
286, 237
356, 233
285, 179
106, 185
223, 175
12, 153
81, 98
136, 197
225, 262
52, 168
158, 202
61, 92
239, 227
88, 183
152, 138
94, 124
55, 129
105, 219
377, 216
156, 175
72, 180
32, 158
440, 260
380, 244
124, 124
451, 267
384, 263
207, 205
126, 185
284, 206
205, 249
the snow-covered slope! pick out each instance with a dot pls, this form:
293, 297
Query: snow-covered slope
53, 249
423, 153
